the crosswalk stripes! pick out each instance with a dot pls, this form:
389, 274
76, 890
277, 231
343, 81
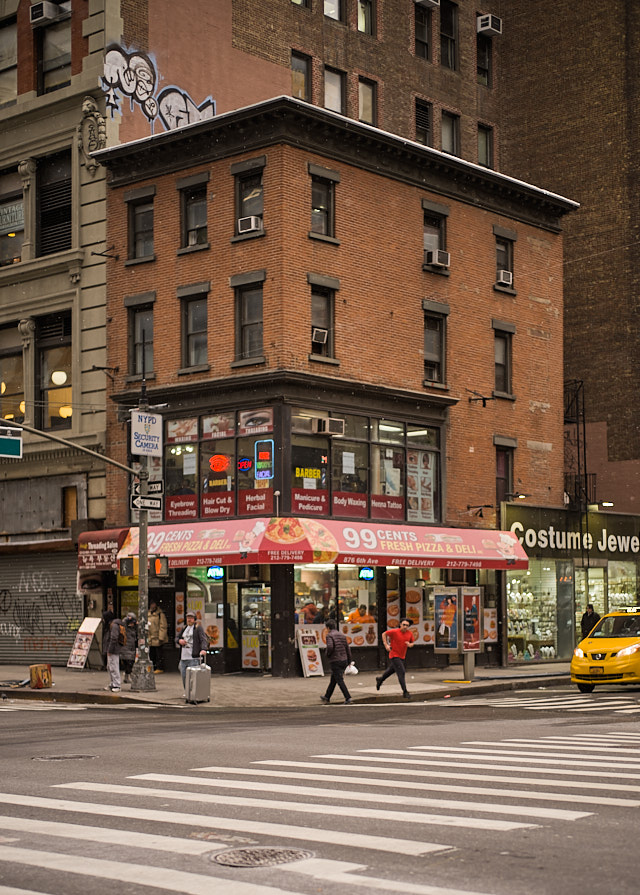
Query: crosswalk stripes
619, 704
447, 790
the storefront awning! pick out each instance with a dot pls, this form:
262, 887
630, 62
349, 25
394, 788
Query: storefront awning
98, 550
293, 539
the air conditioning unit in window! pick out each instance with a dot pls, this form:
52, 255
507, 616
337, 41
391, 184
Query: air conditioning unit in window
489, 25
505, 278
428, 3
325, 426
302, 424
437, 259
319, 336
40, 13
249, 225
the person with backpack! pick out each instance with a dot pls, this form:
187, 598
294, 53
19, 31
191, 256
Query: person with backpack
117, 639
128, 649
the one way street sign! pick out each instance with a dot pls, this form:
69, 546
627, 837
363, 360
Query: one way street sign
145, 503
153, 487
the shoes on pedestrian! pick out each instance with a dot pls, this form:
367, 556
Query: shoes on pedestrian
348, 702
115, 689
378, 683
107, 688
158, 670
127, 679
325, 700
406, 695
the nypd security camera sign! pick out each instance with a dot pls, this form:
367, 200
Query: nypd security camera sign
146, 433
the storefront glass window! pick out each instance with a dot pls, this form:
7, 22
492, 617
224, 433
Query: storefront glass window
622, 588
181, 481
532, 612
356, 427
309, 475
217, 467
387, 482
388, 431
315, 594
359, 616
589, 589
423, 498
350, 479
255, 492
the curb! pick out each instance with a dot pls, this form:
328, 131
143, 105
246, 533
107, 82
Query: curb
455, 690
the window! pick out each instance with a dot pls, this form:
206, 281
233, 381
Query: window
450, 133
504, 261
322, 206
334, 93
322, 321
249, 307
54, 203
483, 54
448, 34
366, 22
422, 24
53, 55
367, 101
12, 398
424, 117
434, 229
301, 2
333, 9
193, 201
249, 196
194, 324
504, 473
142, 327
503, 334
11, 218
435, 322
301, 76
485, 146
54, 389
8, 61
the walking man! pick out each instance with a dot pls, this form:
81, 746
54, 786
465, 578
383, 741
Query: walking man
339, 656
396, 642
588, 621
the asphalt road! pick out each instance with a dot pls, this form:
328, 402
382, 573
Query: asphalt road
508, 794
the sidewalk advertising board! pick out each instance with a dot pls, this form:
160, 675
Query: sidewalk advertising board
447, 619
83, 641
309, 648
472, 614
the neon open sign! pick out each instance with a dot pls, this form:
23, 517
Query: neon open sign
264, 458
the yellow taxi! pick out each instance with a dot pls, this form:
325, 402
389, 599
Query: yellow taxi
611, 652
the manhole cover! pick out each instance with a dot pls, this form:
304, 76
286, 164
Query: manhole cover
61, 757
262, 856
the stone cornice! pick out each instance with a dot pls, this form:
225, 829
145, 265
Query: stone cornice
285, 120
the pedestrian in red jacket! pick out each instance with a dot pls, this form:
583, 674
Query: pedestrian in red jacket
396, 642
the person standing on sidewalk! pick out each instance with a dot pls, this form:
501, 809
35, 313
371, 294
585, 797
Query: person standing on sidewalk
128, 650
338, 656
192, 643
157, 636
396, 642
115, 642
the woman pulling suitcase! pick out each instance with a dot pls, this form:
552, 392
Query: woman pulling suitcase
192, 642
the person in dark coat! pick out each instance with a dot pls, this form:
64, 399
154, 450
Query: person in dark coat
338, 656
192, 643
114, 647
588, 621
128, 651
107, 617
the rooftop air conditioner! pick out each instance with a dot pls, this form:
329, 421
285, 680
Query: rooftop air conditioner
437, 258
319, 336
427, 2
325, 426
249, 225
488, 25
40, 13
505, 278
302, 424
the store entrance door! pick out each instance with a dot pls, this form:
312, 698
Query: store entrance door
255, 626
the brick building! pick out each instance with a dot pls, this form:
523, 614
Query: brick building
283, 281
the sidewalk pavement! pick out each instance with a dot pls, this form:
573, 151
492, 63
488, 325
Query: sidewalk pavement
264, 691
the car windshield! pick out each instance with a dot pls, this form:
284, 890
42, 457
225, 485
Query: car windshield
617, 626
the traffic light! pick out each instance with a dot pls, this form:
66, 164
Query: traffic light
129, 566
160, 566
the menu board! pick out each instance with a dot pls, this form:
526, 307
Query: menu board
309, 648
471, 619
82, 643
360, 635
490, 625
420, 486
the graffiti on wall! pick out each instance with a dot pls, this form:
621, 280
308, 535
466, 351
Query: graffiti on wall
38, 615
135, 76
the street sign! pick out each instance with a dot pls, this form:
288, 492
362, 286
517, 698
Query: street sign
155, 487
146, 433
145, 503
11, 443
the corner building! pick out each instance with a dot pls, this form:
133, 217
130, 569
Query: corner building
314, 304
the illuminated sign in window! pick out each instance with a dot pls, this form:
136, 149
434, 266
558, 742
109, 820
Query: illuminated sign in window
366, 573
215, 572
245, 464
219, 462
264, 458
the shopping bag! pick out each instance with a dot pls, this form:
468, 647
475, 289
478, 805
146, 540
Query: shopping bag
442, 628
351, 668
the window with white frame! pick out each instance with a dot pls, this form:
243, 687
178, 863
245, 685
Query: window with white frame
8, 61
334, 90
193, 306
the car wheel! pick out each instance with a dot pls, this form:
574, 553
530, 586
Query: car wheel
586, 688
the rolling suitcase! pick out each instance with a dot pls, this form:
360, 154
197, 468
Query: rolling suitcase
198, 683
